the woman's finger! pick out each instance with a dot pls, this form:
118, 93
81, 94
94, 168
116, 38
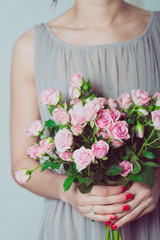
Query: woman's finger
132, 214
105, 191
98, 200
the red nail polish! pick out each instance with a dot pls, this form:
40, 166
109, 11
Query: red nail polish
113, 227
129, 196
124, 189
113, 218
108, 223
125, 208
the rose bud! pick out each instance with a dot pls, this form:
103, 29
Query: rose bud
74, 92
34, 129
100, 149
157, 97
83, 157
22, 176
35, 151
128, 168
77, 130
140, 98
76, 80
124, 101
50, 96
47, 144
140, 131
142, 112
156, 119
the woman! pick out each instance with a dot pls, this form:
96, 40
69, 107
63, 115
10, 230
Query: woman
117, 46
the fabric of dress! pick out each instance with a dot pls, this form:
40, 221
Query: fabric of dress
113, 69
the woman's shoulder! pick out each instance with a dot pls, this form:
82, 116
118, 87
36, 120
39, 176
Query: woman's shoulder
25, 42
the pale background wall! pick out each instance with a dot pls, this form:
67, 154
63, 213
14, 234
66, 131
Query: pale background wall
20, 210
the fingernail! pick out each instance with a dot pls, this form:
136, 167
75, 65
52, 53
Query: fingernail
113, 226
125, 208
113, 218
124, 189
129, 196
108, 223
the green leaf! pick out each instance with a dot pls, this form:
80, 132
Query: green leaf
135, 178
158, 134
130, 121
65, 105
89, 84
67, 183
114, 170
148, 176
50, 123
125, 158
83, 188
55, 165
137, 168
45, 166
105, 158
80, 179
96, 129
92, 124
151, 164
51, 109
87, 180
149, 155
71, 172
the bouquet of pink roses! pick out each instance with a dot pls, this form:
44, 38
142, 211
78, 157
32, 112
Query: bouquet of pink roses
96, 142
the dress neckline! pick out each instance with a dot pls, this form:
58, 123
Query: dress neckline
121, 43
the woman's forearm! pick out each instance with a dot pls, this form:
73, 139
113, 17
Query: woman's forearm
46, 183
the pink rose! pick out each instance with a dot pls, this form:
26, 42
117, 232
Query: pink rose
77, 116
74, 92
119, 130
60, 116
124, 101
76, 130
111, 103
76, 80
142, 112
140, 98
99, 103
115, 114
50, 96
156, 119
66, 156
63, 140
100, 149
35, 151
77, 103
104, 119
128, 168
157, 95
140, 131
83, 157
116, 143
104, 134
47, 144
22, 176
34, 129
89, 111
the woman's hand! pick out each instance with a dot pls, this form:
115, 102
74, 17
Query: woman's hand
144, 201
105, 199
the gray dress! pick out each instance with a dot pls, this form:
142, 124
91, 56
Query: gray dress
113, 69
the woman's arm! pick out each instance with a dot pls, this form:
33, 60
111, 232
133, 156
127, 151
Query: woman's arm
24, 110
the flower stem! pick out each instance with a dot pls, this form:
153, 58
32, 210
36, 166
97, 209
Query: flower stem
146, 142
37, 167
